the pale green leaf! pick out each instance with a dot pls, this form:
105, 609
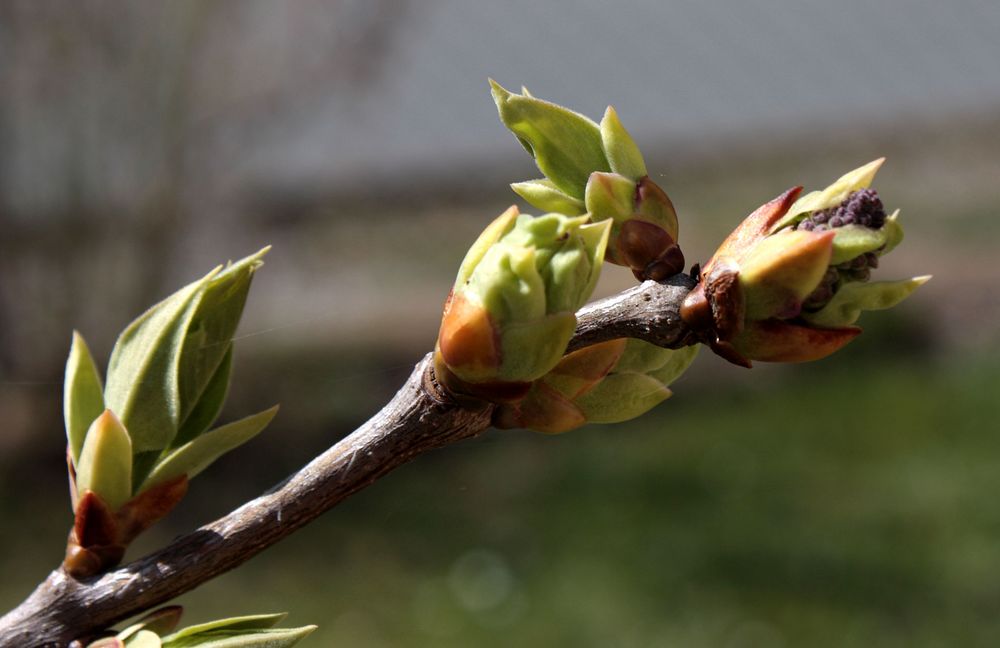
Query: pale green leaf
619, 147
846, 305
105, 465
196, 455
82, 394
273, 638
143, 372
239, 623
566, 145
621, 397
544, 195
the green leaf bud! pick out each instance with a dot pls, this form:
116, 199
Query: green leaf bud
512, 310
82, 394
105, 464
644, 224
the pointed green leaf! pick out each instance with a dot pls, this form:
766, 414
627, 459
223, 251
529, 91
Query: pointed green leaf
240, 623
833, 195
209, 405
143, 639
544, 195
567, 146
82, 398
619, 147
105, 465
209, 333
196, 455
676, 364
143, 371
621, 397
846, 305
274, 638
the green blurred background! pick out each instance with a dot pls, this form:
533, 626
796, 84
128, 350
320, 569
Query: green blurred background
849, 502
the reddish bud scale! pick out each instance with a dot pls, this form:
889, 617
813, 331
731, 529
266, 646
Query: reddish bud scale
99, 536
468, 337
780, 341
